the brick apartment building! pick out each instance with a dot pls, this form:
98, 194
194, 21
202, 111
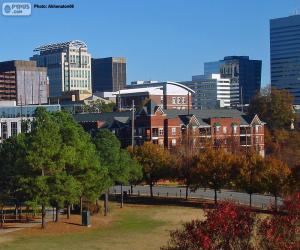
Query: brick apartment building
168, 95
168, 127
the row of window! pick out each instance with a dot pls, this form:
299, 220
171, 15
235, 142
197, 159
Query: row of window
80, 83
160, 131
76, 59
80, 73
4, 129
178, 100
161, 142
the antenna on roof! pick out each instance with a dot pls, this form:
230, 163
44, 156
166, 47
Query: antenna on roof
295, 12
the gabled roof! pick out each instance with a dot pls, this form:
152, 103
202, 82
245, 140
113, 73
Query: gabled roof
186, 119
108, 117
203, 115
149, 108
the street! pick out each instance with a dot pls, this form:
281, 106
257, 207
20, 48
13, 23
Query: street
258, 200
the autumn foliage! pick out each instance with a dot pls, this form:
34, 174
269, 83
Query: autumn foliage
281, 231
226, 227
232, 227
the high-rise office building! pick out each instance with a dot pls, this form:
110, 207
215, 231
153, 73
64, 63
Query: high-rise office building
23, 82
241, 70
69, 66
212, 91
285, 54
108, 74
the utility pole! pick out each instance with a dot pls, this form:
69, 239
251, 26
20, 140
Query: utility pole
132, 125
188, 102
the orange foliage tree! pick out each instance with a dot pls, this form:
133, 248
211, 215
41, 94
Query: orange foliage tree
214, 170
276, 177
154, 160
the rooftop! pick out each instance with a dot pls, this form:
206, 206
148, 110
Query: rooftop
52, 46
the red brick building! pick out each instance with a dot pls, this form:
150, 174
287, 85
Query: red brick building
168, 127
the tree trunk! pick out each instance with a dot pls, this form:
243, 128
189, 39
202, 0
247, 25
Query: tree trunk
122, 197
186, 191
20, 214
68, 212
216, 201
131, 189
56, 214
151, 189
27, 211
106, 204
16, 212
275, 202
53, 214
43, 217
81, 204
97, 206
2, 218
250, 196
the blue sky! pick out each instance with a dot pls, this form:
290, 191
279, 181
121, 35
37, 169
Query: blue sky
161, 39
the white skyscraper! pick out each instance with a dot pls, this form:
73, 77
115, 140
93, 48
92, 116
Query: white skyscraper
68, 64
212, 91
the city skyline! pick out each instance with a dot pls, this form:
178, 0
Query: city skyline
167, 40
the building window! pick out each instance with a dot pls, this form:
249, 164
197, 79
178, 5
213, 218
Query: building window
161, 100
154, 132
4, 133
173, 100
225, 130
161, 131
173, 142
234, 129
183, 100
14, 128
173, 131
178, 100
256, 128
256, 139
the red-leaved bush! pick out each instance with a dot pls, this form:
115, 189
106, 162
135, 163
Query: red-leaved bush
226, 227
230, 227
281, 231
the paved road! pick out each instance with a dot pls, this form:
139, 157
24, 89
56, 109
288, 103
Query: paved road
258, 200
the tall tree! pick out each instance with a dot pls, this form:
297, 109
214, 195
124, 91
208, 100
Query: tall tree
275, 108
276, 177
42, 158
154, 161
121, 168
250, 171
184, 160
81, 162
214, 170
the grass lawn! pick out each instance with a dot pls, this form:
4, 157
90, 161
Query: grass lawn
133, 227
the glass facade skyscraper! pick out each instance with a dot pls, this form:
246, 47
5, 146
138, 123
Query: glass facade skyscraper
108, 74
241, 70
285, 54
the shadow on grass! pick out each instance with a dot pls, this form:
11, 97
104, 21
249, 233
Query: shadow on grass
170, 201
72, 223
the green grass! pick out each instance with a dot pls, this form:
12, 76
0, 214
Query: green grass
134, 228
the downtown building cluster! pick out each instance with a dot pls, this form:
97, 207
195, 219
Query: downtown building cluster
64, 75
